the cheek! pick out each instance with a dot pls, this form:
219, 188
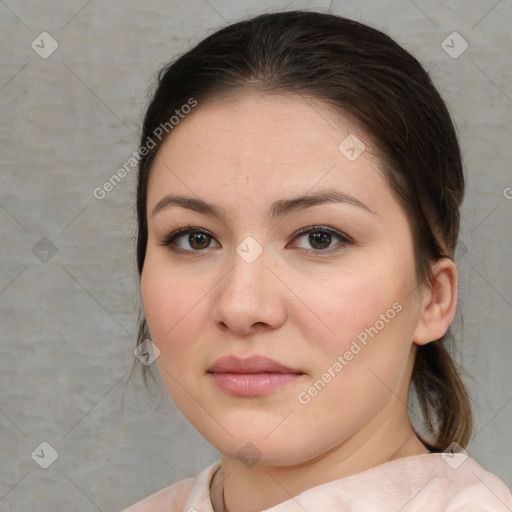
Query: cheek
358, 367
368, 325
346, 306
174, 305
176, 310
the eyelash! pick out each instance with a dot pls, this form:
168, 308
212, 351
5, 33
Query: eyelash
344, 239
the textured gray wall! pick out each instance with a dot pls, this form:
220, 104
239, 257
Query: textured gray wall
68, 293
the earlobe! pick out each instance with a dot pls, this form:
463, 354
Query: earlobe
439, 303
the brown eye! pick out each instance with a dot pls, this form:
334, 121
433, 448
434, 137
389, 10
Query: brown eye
189, 240
199, 240
320, 240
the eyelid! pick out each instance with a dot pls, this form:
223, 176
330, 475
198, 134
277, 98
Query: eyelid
344, 239
184, 231
312, 229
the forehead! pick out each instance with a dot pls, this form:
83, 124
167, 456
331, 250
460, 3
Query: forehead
281, 121
264, 145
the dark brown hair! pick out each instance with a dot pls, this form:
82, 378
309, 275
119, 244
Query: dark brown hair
369, 77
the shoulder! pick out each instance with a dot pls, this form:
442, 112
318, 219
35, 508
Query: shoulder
176, 496
472, 488
455, 482
433, 482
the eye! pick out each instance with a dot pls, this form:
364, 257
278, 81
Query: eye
196, 240
320, 238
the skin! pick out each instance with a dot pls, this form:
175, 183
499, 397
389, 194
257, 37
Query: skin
296, 303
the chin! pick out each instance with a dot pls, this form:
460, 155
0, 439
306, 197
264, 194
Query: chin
259, 446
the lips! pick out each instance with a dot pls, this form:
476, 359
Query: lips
252, 364
251, 377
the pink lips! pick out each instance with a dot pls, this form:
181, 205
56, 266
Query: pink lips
253, 376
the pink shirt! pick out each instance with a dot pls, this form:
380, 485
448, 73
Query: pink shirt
424, 483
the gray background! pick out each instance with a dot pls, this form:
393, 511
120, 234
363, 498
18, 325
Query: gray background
68, 320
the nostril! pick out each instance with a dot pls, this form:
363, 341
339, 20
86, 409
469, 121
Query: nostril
223, 326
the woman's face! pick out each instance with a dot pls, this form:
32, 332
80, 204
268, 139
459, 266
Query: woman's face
337, 305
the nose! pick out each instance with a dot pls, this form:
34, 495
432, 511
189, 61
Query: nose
250, 298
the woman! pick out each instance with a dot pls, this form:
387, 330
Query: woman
298, 203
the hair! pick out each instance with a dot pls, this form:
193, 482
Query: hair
367, 76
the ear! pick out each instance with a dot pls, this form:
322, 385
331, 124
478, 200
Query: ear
438, 303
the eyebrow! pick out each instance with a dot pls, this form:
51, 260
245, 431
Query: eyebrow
277, 210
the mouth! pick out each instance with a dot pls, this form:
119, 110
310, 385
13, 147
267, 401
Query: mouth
253, 376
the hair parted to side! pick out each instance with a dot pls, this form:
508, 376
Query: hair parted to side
363, 73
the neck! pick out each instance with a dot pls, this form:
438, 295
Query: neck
238, 488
